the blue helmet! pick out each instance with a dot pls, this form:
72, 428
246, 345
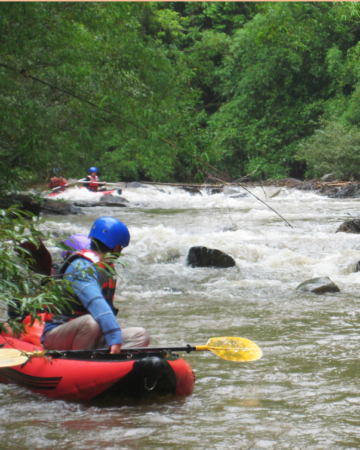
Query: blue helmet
110, 231
77, 242
93, 169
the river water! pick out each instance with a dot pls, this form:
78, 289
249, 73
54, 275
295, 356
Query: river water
303, 394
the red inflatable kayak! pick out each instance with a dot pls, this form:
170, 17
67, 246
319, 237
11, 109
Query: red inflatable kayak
82, 375
113, 191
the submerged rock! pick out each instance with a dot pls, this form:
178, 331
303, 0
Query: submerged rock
167, 256
192, 190
228, 190
213, 191
319, 285
135, 184
209, 257
230, 228
352, 226
85, 204
272, 193
244, 195
173, 290
59, 207
108, 200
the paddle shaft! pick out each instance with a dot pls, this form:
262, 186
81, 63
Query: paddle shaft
84, 181
99, 182
59, 187
187, 349
229, 348
87, 182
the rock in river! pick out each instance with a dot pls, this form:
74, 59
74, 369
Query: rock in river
85, 204
51, 207
134, 185
108, 200
209, 257
192, 190
25, 202
319, 285
353, 226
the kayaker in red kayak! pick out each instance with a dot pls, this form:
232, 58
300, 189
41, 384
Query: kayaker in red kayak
90, 320
57, 183
94, 180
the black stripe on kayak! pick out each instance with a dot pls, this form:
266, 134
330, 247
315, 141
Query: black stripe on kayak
31, 382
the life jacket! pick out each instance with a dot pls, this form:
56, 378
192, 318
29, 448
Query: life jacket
32, 333
58, 182
93, 185
107, 282
33, 329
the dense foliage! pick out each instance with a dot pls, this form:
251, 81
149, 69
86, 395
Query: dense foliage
139, 89
22, 286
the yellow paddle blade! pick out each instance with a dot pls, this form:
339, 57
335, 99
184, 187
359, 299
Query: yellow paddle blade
10, 357
233, 348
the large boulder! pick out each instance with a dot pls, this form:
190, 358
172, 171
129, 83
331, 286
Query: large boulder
350, 191
352, 226
319, 285
209, 257
108, 200
59, 207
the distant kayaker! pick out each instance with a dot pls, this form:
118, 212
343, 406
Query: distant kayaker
93, 180
57, 182
90, 320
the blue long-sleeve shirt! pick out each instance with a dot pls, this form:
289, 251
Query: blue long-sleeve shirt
86, 287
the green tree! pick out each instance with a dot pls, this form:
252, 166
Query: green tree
334, 148
276, 82
86, 85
